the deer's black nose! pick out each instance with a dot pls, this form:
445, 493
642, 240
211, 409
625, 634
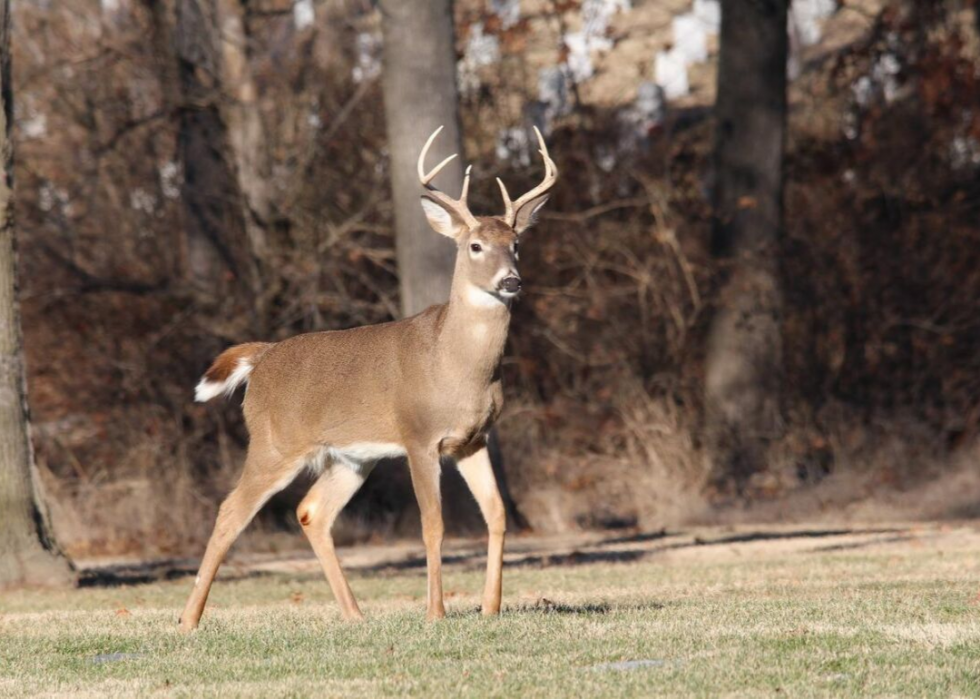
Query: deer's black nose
511, 285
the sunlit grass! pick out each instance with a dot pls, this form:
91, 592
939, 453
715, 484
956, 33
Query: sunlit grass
895, 621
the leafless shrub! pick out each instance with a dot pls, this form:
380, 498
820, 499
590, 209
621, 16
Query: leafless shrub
602, 425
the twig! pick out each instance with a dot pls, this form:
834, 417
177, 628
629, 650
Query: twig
127, 128
595, 211
346, 110
91, 283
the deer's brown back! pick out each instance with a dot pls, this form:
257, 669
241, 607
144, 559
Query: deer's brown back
367, 384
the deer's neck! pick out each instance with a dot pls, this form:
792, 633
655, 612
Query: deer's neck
475, 331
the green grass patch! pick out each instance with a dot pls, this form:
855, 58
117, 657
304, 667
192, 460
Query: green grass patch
800, 623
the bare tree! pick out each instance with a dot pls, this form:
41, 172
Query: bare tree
246, 132
744, 351
420, 95
28, 554
219, 236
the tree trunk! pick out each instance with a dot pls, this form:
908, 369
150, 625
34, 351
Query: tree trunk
420, 95
217, 240
419, 86
28, 554
245, 128
744, 352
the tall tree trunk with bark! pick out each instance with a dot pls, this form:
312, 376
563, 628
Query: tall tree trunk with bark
218, 237
28, 554
246, 132
420, 95
744, 353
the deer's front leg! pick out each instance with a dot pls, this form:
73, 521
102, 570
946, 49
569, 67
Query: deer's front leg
478, 474
425, 469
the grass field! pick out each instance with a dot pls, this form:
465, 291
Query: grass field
887, 611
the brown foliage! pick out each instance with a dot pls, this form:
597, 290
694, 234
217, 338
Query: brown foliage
602, 427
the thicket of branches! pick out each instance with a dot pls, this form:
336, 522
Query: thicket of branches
604, 370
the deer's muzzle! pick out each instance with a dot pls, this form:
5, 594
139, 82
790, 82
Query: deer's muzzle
510, 284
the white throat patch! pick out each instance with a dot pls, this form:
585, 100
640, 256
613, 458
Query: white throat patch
481, 298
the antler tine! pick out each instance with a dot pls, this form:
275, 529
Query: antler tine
511, 208
466, 183
508, 204
459, 206
426, 179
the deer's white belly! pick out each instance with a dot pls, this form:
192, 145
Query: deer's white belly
359, 456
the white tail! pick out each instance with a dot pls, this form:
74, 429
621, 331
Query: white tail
206, 390
425, 387
230, 370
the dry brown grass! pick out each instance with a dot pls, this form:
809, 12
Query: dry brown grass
885, 611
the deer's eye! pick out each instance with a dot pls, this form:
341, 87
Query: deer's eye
476, 247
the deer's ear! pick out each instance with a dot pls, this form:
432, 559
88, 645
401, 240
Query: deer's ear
527, 216
442, 219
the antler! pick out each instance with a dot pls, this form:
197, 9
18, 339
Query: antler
457, 206
550, 176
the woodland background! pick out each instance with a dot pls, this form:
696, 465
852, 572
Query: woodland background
195, 173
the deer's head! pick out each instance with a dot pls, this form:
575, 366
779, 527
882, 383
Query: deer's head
487, 246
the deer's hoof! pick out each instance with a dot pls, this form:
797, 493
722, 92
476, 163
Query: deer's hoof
186, 627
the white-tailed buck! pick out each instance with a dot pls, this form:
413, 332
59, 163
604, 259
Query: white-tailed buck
424, 387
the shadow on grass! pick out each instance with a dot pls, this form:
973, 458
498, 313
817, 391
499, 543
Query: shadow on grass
897, 538
475, 561
749, 537
545, 606
153, 572
588, 554
639, 538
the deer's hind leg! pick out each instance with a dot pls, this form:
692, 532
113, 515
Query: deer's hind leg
264, 475
317, 513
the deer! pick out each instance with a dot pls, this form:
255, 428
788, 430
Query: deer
427, 387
